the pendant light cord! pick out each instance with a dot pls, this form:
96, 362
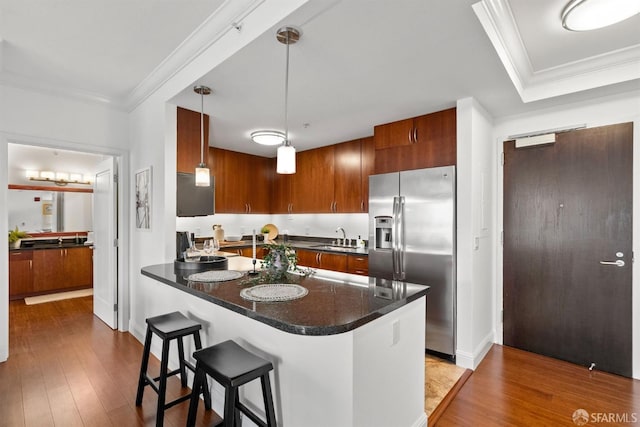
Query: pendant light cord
286, 97
202, 128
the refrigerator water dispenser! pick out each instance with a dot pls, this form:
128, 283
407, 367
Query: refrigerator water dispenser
383, 232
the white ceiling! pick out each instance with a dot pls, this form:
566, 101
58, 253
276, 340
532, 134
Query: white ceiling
358, 63
24, 157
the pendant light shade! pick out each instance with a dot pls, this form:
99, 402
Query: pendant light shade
203, 176
286, 162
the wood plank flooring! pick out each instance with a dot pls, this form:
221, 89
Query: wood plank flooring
516, 388
67, 368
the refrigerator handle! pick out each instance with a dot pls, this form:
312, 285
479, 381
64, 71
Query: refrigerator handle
400, 238
394, 238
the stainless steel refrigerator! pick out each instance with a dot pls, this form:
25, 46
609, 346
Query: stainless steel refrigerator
412, 223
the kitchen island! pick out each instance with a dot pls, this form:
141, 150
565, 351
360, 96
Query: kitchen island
349, 353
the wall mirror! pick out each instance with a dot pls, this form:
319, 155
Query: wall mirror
42, 211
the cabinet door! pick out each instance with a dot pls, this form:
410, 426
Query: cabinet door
348, 178
435, 140
48, 270
308, 258
78, 267
280, 191
20, 274
334, 262
367, 168
312, 184
393, 134
357, 264
188, 140
258, 173
231, 181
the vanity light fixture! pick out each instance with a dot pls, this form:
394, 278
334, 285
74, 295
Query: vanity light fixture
268, 137
58, 178
203, 178
585, 15
286, 161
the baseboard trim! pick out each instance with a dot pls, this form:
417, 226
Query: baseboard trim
472, 360
421, 421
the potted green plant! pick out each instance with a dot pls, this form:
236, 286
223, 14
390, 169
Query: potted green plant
280, 259
265, 231
15, 238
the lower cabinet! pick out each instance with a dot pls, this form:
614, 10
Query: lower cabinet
20, 274
60, 269
358, 264
324, 260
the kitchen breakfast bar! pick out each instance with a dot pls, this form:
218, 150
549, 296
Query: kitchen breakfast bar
350, 352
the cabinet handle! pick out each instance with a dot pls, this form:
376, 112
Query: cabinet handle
249, 205
415, 135
362, 205
410, 135
30, 265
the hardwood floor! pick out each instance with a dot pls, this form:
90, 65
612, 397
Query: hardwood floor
516, 388
67, 368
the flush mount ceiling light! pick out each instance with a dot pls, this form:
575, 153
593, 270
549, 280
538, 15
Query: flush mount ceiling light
286, 162
268, 137
203, 178
585, 15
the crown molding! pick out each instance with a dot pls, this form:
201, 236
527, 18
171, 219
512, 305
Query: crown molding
220, 22
496, 18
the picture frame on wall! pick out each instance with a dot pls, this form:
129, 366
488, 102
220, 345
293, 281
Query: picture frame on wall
143, 187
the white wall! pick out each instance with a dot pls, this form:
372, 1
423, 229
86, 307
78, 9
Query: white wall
32, 118
599, 112
475, 235
316, 225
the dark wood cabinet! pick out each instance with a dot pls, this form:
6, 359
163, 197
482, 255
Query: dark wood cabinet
20, 274
353, 164
312, 184
188, 140
323, 260
242, 181
430, 141
61, 269
358, 264
280, 191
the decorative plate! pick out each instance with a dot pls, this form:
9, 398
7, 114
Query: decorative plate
273, 231
215, 276
274, 292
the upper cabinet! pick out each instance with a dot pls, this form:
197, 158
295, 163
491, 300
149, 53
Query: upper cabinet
421, 142
312, 184
353, 163
188, 140
242, 181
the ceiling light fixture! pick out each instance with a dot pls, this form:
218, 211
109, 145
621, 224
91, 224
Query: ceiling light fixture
286, 162
203, 177
585, 15
58, 178
268, 137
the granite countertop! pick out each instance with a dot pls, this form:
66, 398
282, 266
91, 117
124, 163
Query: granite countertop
314, 244
27, 246
336, 302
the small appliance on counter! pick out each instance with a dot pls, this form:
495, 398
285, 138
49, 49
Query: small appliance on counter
186, 241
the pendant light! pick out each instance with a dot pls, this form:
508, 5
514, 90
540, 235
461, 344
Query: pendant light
203, 178
286, 162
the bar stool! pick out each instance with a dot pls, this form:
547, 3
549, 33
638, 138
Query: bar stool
169, 327
232, 366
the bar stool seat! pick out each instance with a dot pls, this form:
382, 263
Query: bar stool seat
232, 366
170, 326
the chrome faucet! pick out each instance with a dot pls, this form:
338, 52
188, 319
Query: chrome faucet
344, 237
60, 240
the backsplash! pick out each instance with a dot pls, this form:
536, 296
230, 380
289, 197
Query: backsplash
317, 225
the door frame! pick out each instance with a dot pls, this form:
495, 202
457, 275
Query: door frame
122, 162
499, 303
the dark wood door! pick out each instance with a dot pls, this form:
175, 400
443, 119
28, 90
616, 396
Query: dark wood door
20, 274
48, 270
567, 207
280, 191
312, 184
188, 140
367, 154
78, 267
